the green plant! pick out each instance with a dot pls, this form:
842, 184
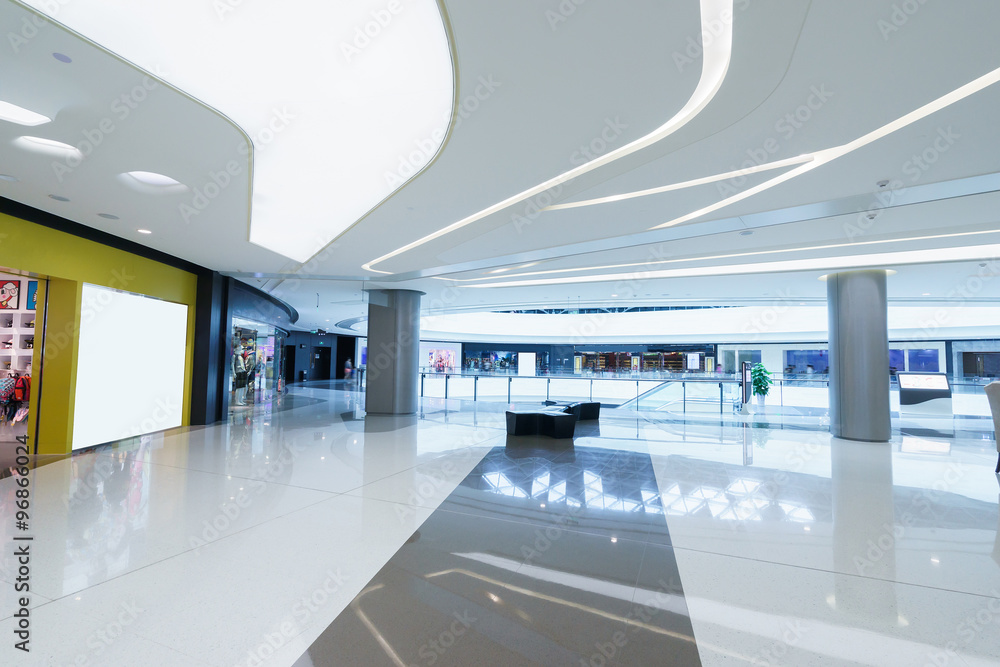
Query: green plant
760, 380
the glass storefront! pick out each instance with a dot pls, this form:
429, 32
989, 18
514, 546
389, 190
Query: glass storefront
256, 363
18, 304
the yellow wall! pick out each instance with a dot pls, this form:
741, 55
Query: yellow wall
69, 261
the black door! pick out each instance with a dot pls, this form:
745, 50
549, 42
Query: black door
320, 366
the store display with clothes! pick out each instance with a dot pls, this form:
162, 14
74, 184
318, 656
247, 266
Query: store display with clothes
14, 394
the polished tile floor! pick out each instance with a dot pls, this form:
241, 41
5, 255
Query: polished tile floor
306, 534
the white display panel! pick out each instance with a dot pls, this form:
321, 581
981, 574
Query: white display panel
526, 363
130, 369
909, 381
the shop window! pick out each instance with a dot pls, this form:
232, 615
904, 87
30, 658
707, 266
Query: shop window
807, 362
923, 360
897, 361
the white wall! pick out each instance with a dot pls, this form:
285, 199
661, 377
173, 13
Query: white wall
130, 373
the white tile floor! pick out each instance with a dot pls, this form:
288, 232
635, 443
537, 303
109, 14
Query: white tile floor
238, 544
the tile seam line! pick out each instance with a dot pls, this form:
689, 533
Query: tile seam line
835, 572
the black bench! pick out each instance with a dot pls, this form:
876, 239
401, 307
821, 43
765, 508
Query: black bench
553, 423
584, 410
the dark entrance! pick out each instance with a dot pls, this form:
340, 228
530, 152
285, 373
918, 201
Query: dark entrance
345, 351
981, 364
319, 367
289, 364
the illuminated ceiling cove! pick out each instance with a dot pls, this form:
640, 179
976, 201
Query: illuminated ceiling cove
343, 102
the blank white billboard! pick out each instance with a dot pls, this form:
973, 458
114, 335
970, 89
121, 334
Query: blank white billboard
130, 369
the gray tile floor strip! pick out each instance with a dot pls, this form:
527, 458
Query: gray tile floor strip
541, 556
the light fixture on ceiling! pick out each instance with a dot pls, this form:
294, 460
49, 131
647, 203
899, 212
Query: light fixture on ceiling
58, 197
746, 232
926, 294
48, 147
144, 231
15, 114
614, 296
107, 216
149, 182
8, 178
396, 93
62, 57
717, 20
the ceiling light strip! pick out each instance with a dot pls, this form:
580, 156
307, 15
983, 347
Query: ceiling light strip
704, 258
843, 262
715, 65
790, 162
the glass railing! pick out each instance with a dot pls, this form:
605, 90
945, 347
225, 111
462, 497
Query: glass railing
679, 393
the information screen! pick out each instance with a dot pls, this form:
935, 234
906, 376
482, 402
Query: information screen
916, 381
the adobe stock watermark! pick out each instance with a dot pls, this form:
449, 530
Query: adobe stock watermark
914, 168
30, 26
591, 150
302, 611
786, 127
424, 149
120, 109
565, 9
711, 31
364, 35
432, 651
899, 16
218, 181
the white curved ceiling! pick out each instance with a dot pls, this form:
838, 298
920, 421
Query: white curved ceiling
533, 96
332, 95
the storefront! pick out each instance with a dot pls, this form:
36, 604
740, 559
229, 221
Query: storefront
257, 362
21, 333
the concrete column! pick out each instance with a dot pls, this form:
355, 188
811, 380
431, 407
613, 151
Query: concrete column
859, 356
393, 351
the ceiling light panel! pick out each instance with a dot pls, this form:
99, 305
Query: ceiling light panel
15, 114
48, 147
343, 103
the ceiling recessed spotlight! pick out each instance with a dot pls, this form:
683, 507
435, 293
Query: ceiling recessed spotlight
62, 57
144, 231
107, 216
926, 294
982, 264
15, 114
8, 178
746, 232
58, 198
882, 184
151, 182
614, 295
48, 147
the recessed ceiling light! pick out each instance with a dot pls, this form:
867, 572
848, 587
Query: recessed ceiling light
20, 115
108, 216
926, 294
48, 147
58, 198
614, 295
9, 179
151, 182
144, 231
62, 57
746, 232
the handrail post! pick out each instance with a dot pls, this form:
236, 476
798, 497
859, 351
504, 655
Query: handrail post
475, 388
421, 385
637, 396
509, 380
721, 398
591, 390
548, 383
684, 397
446, 386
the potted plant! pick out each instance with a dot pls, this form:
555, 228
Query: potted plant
760, 381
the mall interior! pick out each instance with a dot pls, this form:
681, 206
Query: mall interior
645, 333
